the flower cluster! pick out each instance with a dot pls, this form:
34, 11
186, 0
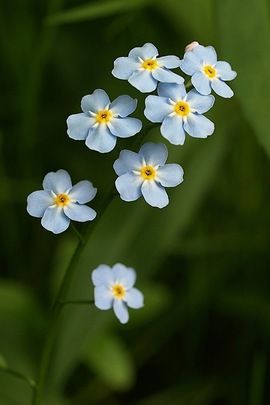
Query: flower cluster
140, 174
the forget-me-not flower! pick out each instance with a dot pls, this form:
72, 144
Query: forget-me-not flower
101, 121
146, 174
180, 112
206, 72
144, 69
114, 289
61, 202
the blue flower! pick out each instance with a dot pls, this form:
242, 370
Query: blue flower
143, 69
101, 121
180, 112
114, 289
61, 202
201, 63
146, 174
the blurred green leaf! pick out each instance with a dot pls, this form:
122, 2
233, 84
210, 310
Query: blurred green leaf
3, 362
110, 360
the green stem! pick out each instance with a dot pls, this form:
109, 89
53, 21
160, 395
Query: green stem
77, 233
20, 376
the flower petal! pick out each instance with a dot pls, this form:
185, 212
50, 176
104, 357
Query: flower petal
154, 153
199, 126
124, 67
124, 275
170, 61
38, 202
206, 54
79, 125
103, 275
154, 194
225, 71
170, 175
201, 83
98, 100
175, 92
80, 213
120, 310
222, 89
190, 64
127, 161
172, 129
134, 298
83, 192
200, 103
58, 182
147, 51
123, 106
103, 297
129, 186
55, 220
157, 108
166, 76
143, 81
125, 127
100, 139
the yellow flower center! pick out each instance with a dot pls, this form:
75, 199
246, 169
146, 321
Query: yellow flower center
148, 173
61, 200
210, 71
103, 116
118, 291
182, 108
150, 64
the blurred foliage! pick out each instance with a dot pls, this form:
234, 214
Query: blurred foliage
203, 262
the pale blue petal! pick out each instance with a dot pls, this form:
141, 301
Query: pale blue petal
58, 182
124, 67
166, 76
103, 297
127, 161
225, 71
157, 108
103, 275
206, 54
124, 275
120, 310
100, 139
80, 213
221, 88
170, 175
129, 186
134, 298
143, 81
147, 51
199, 126
201, 83
190, 64
154, 153
200, 103
38, 202
170, 61
83, 192
175, 92
79, 125
154, 194
123, 106
55, 220
172, 129
124, 127
98, 100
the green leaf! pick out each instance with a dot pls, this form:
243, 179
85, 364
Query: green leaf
96, 10
3, 363
247, 48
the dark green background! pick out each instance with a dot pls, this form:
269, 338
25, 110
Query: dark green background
203, 337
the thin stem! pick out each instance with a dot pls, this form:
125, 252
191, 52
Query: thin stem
19, 375
77, 233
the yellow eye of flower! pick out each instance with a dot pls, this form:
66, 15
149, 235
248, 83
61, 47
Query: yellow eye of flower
103, 116
150, 64
148, 172
61, 200
119, 291
182, 108
210, 71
